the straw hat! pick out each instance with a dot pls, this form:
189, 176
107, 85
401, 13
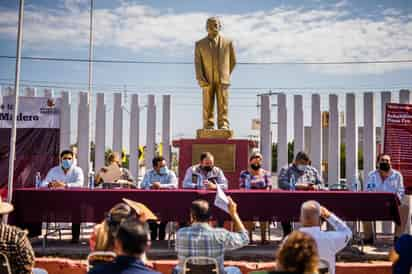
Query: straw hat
143, 211
5, 207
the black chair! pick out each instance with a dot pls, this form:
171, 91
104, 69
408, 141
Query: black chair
200, 265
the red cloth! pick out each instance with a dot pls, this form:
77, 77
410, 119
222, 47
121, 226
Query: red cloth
84, 205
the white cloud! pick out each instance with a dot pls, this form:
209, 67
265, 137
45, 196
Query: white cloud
280, 34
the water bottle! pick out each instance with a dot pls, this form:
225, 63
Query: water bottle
37, 180
91, 179
247, 182
292, 182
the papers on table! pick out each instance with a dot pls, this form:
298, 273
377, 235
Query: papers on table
112, 174
221, 200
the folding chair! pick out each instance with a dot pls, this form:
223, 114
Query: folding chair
100, 257
200, 265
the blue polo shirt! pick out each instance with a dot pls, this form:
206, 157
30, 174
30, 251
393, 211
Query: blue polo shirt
123, 265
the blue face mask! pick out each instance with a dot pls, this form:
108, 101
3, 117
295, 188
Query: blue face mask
67, 164
164, 170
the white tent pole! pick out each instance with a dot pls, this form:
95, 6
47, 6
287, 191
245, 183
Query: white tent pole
12, 153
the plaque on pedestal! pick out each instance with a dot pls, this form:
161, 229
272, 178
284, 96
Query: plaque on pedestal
214, 133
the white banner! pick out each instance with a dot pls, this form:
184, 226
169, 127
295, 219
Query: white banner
34, 112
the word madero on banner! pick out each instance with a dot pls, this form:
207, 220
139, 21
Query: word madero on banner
33, 112
398, 140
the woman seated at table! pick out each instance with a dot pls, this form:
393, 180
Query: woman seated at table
101, 241
114, 165
255, 177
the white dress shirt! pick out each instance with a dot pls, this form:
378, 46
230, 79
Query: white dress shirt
73, 178
393, 183
330, 242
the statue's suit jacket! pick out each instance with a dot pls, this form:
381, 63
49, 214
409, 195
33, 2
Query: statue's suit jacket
204, 63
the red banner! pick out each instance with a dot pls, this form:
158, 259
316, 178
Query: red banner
398, 140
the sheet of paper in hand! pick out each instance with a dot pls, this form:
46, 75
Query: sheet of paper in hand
112, 174
221, 200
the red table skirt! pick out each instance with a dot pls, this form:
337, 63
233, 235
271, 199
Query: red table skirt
84, 205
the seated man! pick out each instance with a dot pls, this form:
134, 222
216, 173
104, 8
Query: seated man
200, 239
204, 175
66, 175
15, 244
387, 179
329, 242
160, 177
115, 158
299, 175
130, 244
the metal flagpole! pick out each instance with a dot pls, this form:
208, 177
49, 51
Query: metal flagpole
90, 81
12, 154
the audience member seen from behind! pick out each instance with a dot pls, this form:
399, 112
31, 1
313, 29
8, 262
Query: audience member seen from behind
298, 254
255, 177
131, 243
103, 236
67, 174
328, 242
387, 179
15, 245
300, 175
401, 255
200, 239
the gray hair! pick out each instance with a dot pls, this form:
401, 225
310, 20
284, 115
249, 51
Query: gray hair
310, 210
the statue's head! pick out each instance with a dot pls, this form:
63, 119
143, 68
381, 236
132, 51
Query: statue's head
213, 26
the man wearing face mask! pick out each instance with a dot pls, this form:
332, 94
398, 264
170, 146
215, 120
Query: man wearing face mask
205, 175
300, 175
387, 179
66, 175
116, 159
160, 177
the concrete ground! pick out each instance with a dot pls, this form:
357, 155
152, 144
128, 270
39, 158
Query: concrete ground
165, 250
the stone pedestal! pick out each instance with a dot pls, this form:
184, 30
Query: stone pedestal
232, 155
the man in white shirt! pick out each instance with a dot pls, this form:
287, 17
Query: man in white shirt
329, 242
66, 175
386, 179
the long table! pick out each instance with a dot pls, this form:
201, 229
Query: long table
85, 205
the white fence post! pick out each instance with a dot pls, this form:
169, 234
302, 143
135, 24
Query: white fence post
316, 133
298, 124
282, 134
166, 128
265, 131
65, 121
351, 139
369, 135
100, 132
48, 92
134, 136
334, 141
83, 135
151, 131
117, 123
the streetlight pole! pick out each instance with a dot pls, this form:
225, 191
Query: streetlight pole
12, 154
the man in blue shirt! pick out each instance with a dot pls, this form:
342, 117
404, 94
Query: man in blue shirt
160, 177
130, 244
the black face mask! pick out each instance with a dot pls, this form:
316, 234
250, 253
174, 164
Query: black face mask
255, 166
208, 168
384, 166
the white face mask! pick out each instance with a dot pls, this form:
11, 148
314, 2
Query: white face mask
301, 167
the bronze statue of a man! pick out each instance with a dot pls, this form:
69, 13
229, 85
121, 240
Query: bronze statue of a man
214, 62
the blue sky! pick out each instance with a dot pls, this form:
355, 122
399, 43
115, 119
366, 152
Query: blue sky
263, 31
